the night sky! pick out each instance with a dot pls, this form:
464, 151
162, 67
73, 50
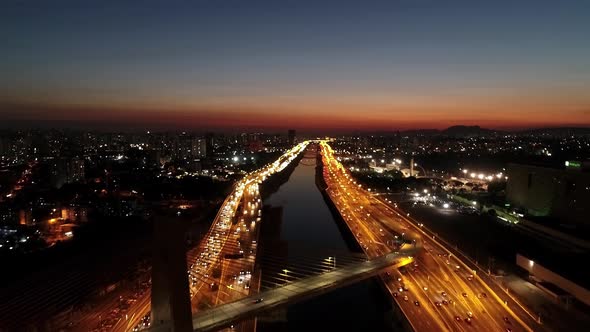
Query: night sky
338, 65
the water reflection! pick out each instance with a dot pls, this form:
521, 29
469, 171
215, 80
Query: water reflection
306, 222
306, 218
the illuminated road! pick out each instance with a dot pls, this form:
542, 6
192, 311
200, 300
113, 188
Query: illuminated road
446, 290
225, 315
221, 267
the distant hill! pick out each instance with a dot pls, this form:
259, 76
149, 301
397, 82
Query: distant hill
559, 131
463, 131
454, 131
477, 131
421, 132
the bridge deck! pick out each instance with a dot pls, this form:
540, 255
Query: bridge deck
224, 315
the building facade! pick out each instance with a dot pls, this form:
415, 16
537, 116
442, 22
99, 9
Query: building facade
563, 194
199, 148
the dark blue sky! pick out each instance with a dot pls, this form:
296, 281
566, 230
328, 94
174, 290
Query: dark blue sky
409, 63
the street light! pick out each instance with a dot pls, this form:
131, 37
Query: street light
332, 258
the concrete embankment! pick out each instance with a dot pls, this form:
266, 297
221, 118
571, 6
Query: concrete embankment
346, 233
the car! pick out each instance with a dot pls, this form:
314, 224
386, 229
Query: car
438, 303
405, 298
484, 295
416, 303
469, 314
395, 294
508, 329
506, 320
425, 288
467, 320
400, 289
464, 294
443, 294
457, 318
445, 302
258, 300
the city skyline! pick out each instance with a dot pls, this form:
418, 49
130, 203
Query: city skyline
335, 66
291, 165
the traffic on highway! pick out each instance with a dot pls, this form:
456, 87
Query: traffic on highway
438, 291
221, 267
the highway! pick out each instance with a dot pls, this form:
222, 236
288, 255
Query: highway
298, 290
221, 267
439, 292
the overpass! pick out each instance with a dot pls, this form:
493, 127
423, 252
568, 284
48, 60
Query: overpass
227, 314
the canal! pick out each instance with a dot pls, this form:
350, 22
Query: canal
300, 222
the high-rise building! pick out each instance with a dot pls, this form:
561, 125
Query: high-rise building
75, 170
559, 193
184, 146
199, 147
209, 144
66, 170
291, 136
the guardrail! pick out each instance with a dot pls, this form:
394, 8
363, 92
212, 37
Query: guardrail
227, 314
485, 276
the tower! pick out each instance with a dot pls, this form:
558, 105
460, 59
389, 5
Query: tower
291, 136
170, 291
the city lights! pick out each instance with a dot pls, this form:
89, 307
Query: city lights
203, 165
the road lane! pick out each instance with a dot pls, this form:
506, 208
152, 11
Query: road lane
371, 220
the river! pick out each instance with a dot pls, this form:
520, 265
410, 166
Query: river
307, 224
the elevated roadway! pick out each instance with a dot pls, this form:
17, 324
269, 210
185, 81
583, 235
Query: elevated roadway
227, 314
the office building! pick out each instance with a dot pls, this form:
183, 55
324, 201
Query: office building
563, 194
